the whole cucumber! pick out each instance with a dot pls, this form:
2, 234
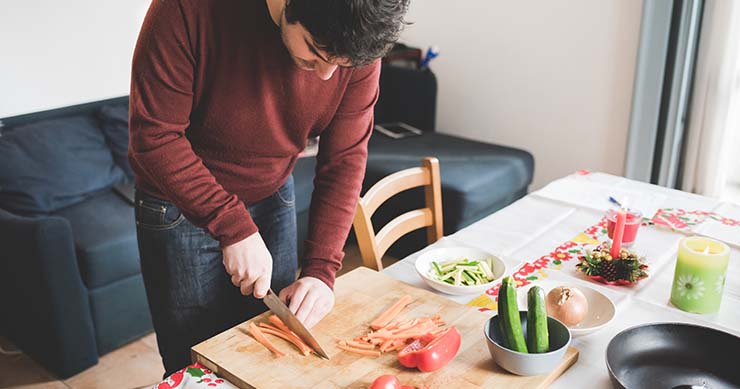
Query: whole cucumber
538, 340
511, 319
501, 309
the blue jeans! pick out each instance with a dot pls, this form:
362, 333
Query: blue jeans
190, 295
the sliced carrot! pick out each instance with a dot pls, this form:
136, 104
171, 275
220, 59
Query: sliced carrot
411, 335
390, 344
397, 345
260, 337
291, 337
279, 324
438, 331
305, 350
418, 330
379, 333
386, 317
268, 325
369, 353
394, 336
364, 345
401, 326
400, 346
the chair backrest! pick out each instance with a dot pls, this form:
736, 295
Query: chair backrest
372, 245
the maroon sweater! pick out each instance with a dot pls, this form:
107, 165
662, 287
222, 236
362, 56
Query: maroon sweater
219, 114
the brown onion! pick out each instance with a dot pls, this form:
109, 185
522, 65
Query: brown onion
567, 304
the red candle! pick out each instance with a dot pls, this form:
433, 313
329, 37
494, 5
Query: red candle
618, 233
631, 225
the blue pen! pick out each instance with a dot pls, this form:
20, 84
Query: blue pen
615, 201
432, 53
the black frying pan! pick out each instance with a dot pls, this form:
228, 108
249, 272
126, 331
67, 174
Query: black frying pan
673, 355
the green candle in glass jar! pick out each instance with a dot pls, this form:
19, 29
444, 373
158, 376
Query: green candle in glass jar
700, 274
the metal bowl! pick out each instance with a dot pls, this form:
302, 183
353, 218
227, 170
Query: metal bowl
673, 355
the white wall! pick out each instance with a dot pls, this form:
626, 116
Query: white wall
59, 53
552, 77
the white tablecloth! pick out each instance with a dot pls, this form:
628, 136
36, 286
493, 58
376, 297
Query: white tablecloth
535, 225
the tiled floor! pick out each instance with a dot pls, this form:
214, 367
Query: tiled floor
136, 364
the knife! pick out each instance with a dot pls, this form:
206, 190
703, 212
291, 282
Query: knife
283, 312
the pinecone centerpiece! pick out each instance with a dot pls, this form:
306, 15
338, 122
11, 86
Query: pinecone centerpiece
599, 265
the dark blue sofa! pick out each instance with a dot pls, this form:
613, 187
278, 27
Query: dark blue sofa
69, 259
72, 279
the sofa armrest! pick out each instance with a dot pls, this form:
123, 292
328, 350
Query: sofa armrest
46, 301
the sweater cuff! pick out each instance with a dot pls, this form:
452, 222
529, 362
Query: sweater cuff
321, 262
232, 227
323, 270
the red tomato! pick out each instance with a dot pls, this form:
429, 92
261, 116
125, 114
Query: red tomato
431, 354
386, 382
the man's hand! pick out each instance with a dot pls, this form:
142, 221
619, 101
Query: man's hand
309, 299
250, 265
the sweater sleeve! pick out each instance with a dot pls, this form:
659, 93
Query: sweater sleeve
160, 106
339, 173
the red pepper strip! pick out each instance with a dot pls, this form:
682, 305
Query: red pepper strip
431, 353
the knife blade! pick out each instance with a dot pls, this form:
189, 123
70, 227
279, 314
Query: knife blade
283, 312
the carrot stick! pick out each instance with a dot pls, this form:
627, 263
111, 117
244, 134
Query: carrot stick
364, 345
392, 344
403, 325
387, 316
387, 345
270, 326
409, 335
305, 350
278, 323
369, 353
260, 337
291, 337
274, 320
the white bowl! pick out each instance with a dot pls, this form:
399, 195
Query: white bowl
601, 309
424, 265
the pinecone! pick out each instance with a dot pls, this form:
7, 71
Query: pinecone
631, 270
599, 263
607, 270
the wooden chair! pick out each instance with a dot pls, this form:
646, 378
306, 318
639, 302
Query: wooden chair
372, 245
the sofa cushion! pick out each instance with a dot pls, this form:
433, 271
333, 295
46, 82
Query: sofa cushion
120, 313
51, 164
114, 125
475, 176
104, 233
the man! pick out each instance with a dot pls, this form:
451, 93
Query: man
224, 95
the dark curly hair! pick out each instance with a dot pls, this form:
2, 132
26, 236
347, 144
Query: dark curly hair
359, 30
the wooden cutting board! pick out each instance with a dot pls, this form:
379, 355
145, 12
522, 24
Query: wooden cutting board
361, 295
